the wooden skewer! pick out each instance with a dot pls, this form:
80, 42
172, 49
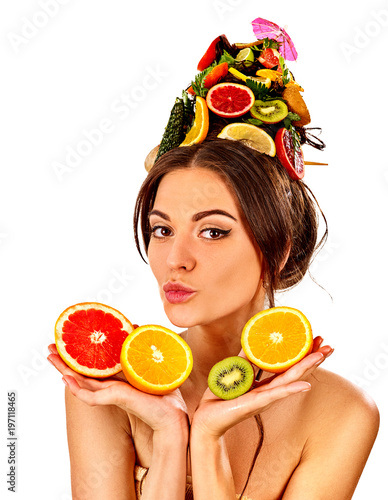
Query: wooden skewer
314, 163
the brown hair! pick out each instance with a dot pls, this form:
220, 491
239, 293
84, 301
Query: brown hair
281, 214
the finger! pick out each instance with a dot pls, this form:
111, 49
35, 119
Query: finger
317, 342
53, 349
256, 401
299, 370
304, 367
109, 393
61, 366
266, 395
101, 396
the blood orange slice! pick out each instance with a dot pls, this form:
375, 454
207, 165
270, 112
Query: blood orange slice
89, 337
230, 100
292, 159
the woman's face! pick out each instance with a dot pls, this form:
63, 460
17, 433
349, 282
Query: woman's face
206, 265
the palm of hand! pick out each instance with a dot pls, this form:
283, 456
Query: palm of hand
214, 416
159, 412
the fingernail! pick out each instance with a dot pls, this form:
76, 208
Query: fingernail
330, 353
319, 360
49, 360
64, 381
307, 389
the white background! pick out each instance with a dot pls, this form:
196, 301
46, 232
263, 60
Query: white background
65, 238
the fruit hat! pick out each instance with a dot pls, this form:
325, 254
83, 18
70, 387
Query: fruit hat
245, 92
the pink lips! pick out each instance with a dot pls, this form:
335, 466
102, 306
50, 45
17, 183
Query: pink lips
177, 293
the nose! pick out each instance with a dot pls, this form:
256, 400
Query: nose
181, 255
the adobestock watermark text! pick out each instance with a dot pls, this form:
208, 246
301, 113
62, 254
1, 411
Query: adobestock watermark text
121, 107
374, 26
32, 25
372, 368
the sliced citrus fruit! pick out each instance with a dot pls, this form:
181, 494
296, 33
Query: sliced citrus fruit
230, 100
250, 135
89, 337
155, 359
246, 56
277, 76
199, 130
259, 79
277, 338
235, 72
269, 73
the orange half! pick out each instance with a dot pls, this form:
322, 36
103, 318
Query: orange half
155, 359
200, 128
277, 338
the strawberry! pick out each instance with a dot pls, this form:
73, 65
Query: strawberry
216, 74
209, 55
269, 58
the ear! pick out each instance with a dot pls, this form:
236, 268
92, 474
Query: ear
285, 258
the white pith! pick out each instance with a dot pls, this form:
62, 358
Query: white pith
276, 337
97, 337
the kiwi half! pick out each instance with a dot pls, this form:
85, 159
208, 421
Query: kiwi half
231, 377
269, 111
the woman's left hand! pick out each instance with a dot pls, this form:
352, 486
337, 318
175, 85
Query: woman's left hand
215, 416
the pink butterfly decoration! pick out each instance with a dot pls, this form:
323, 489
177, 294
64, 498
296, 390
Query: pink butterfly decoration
266, 29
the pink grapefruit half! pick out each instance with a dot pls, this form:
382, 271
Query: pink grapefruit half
89, 337
230, 100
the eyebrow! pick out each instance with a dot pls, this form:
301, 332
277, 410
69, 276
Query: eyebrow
196, 217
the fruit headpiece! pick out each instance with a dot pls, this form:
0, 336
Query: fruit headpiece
245, 92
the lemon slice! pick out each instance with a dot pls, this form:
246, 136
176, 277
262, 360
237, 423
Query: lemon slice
261, 79
238, 74
252, 136
246, 56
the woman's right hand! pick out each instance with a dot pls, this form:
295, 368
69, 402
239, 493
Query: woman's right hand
158, 412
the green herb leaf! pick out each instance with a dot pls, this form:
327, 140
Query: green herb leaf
259, 89
254, 121
294, 117
270, 44
226, 57
285, 71
199, 82
291, 117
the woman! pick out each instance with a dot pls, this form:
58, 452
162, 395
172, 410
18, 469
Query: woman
223, 228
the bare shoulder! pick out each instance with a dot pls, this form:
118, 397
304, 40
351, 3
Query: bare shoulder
340, 425
341, 402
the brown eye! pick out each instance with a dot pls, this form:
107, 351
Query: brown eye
214, 233
160, 232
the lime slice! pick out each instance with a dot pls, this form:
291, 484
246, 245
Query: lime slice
252, 136
246, 56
